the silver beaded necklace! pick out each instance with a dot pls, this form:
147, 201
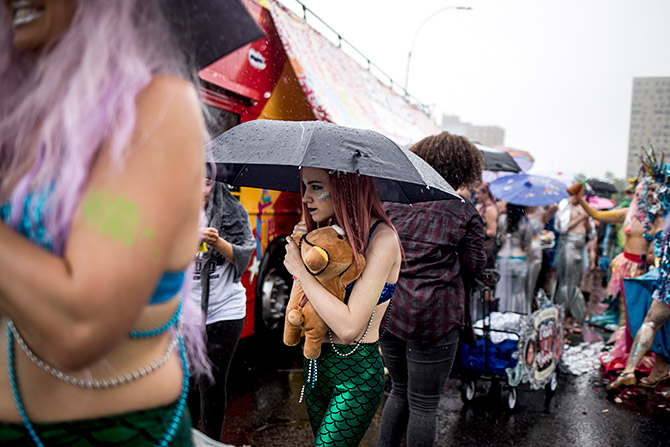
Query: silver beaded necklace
95, 383
358, 343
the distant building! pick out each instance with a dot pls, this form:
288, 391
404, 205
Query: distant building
487, 135
649, 120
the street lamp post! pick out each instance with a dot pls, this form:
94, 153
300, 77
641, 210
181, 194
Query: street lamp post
409, 55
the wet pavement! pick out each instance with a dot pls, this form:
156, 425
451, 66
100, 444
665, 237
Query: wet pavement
266, 378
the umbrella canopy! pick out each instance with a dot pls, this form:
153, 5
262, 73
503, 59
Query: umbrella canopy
496, 159
489, 176
528, 190
601, 203
269, 153
524, 159
598, 187
209, 29
564, 176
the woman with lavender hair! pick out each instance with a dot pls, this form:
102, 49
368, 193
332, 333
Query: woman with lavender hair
101, 173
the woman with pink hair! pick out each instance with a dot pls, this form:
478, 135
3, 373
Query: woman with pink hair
101, 173
345, 385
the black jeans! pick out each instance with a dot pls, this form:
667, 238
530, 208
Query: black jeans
418, 373
208, 400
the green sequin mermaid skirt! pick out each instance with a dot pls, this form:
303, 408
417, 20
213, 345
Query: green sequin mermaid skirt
137, 429
346, 394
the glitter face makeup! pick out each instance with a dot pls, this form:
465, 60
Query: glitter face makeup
316, 194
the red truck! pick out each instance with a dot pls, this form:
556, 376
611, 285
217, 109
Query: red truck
294, 73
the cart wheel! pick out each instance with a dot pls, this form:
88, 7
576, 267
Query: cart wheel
552, 385
468, 390
510, 398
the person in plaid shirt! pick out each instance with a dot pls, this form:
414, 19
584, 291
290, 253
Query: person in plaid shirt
444, 243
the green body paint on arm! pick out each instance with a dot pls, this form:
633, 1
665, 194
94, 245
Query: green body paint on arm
113, 216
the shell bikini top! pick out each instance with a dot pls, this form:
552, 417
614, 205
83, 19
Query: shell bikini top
387, 291
31, 225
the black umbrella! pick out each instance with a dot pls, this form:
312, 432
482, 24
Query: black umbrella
497, 160
268, 154
601, 187
209, 29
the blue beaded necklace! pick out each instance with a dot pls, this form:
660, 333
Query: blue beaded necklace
181, 401
161, 329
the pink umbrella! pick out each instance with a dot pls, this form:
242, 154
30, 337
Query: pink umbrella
601, 203
489, 176
524, 159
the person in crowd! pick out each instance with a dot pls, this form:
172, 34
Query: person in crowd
516, 234
345, 385
101, 171
613, 241
657, 315
217, 288
643, 222
501, 207
652, 199
548, 237
574, 227
592, 277
538, 218
444, 244
486, 207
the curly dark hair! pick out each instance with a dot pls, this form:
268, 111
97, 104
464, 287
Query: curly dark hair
454, 157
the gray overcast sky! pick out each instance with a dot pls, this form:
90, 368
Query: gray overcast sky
556, 75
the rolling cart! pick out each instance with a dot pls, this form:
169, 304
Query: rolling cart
527, 352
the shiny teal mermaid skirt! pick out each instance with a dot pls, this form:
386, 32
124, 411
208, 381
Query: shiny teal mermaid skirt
137, 429
345, 395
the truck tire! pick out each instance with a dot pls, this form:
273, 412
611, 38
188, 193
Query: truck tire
273, 288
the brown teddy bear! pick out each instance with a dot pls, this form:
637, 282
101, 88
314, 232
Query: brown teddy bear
326, 254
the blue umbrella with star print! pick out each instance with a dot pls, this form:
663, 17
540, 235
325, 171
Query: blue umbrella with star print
528, 190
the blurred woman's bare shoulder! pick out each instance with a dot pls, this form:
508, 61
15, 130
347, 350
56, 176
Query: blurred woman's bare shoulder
167, 93
169, 115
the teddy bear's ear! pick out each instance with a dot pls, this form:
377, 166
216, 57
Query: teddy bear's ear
354, 272
361, 263
297, 237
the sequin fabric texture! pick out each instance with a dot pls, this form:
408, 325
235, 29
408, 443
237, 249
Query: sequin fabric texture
346, 395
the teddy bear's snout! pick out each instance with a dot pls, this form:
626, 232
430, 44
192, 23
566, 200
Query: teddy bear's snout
316, 259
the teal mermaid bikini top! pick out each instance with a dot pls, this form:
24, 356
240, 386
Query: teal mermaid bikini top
387, 292
31, 222
31, 225
168, 286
